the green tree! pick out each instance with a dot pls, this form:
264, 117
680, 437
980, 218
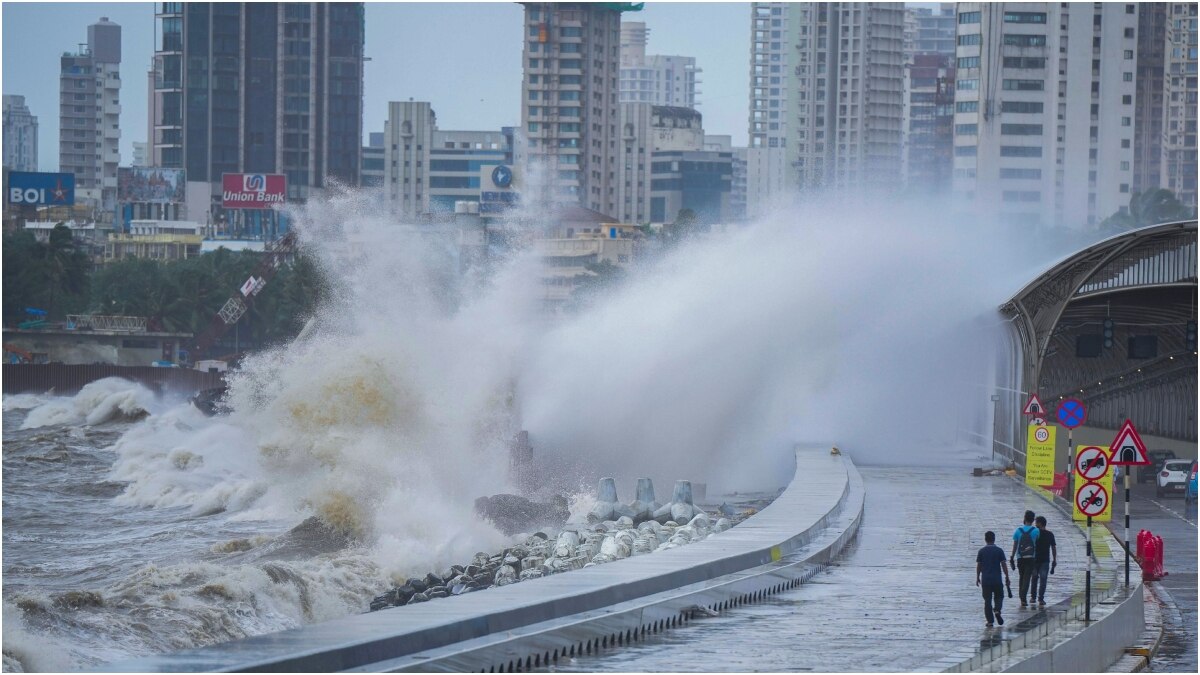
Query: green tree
1148, 208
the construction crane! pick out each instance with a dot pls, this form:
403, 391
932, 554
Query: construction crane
274, 255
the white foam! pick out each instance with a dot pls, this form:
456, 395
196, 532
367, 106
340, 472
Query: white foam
97, 402
25, 651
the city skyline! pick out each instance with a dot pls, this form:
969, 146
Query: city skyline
402, 45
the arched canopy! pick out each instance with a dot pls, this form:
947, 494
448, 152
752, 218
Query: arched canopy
1144, 283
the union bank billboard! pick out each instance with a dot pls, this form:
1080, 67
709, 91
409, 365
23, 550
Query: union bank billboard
253, 190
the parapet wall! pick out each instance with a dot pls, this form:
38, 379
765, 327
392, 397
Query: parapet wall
536, 621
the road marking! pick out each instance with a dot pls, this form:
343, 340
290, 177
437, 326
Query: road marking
1172, 512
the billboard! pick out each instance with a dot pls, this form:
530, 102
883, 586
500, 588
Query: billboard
253, 190
28, 188
151, 186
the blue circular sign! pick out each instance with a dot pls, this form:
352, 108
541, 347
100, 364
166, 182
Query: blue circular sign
1071, 413
502, 176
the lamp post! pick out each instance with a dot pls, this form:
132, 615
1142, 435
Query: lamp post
995, 406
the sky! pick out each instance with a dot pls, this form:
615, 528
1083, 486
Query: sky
465, 58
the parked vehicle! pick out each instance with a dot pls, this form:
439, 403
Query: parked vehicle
1146, 474
1173, 477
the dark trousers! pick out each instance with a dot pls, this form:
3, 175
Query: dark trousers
1025, 568
993, 597
1041, 575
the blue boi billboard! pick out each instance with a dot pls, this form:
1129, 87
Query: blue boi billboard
28, 188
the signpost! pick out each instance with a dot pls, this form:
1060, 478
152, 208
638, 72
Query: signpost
1091, 499
1091, 463
1070, 413
1127, 449
1039, 457
1033, 406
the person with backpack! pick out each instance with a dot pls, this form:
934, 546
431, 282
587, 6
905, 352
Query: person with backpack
1024, 555
1047, 560
989, 563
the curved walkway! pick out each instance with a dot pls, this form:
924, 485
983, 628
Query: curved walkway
901, 598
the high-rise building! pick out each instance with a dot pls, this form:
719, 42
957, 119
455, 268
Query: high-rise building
567, 148
656, 79
141, 154
259, 88
934, 30
929, 122
1179, 104
90, 114
826, 95
667, 166
20, 135
1148, 101
373, 159
1044, 109
407, 142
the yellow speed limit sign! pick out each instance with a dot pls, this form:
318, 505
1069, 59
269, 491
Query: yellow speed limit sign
1039, 457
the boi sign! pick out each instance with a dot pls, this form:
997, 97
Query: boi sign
28, 188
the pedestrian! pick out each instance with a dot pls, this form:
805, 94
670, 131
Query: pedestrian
1024, 554
1046, 560
989, 564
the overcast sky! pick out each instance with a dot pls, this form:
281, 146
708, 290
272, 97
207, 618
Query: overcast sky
465, 58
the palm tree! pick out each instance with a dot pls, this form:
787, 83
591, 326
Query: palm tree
1149, 208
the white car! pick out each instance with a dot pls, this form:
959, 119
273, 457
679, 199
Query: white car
1173, 476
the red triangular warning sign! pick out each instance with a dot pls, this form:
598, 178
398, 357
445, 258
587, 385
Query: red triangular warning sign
1034, 406
1127, 449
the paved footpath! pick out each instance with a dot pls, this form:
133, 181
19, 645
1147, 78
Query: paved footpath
902, 597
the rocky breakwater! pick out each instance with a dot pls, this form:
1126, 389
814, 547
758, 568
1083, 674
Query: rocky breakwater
613, 531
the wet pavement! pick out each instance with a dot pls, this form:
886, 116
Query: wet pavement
1169, 518
902, 596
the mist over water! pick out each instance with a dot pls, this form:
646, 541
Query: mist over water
868, 324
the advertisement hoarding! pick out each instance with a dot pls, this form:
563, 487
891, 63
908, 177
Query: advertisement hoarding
253, 190
151, 186
29, 188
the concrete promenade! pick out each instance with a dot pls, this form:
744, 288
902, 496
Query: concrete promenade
751, 560
902, 598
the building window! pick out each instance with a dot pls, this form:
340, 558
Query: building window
1021, 196
967, 85
965, 150
1021, 106
968, 40
966, 106
1020, 151
1021, 173
966, 129
968, 62
1024, 85
1022, 40
1024, 17
1021, 129
968, 17
1024, 62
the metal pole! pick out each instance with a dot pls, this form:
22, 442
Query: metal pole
995, 415
1070, 461
1087, 586
1126, 527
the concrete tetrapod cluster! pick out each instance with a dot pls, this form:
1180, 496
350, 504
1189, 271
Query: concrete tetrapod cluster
614, 531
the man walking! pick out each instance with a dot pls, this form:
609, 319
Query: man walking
1046, 560
989, 564
1024, 554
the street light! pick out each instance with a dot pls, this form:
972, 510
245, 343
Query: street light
995, 405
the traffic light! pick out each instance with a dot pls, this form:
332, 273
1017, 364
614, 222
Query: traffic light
1191, 336
1108, 333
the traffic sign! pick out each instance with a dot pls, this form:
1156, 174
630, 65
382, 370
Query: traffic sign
1037, 422
1071, 413
1091, 499
1091, 463
1039, 457
1127, 449
1042, 434
1034, 406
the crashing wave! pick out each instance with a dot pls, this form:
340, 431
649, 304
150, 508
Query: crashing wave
108, 400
